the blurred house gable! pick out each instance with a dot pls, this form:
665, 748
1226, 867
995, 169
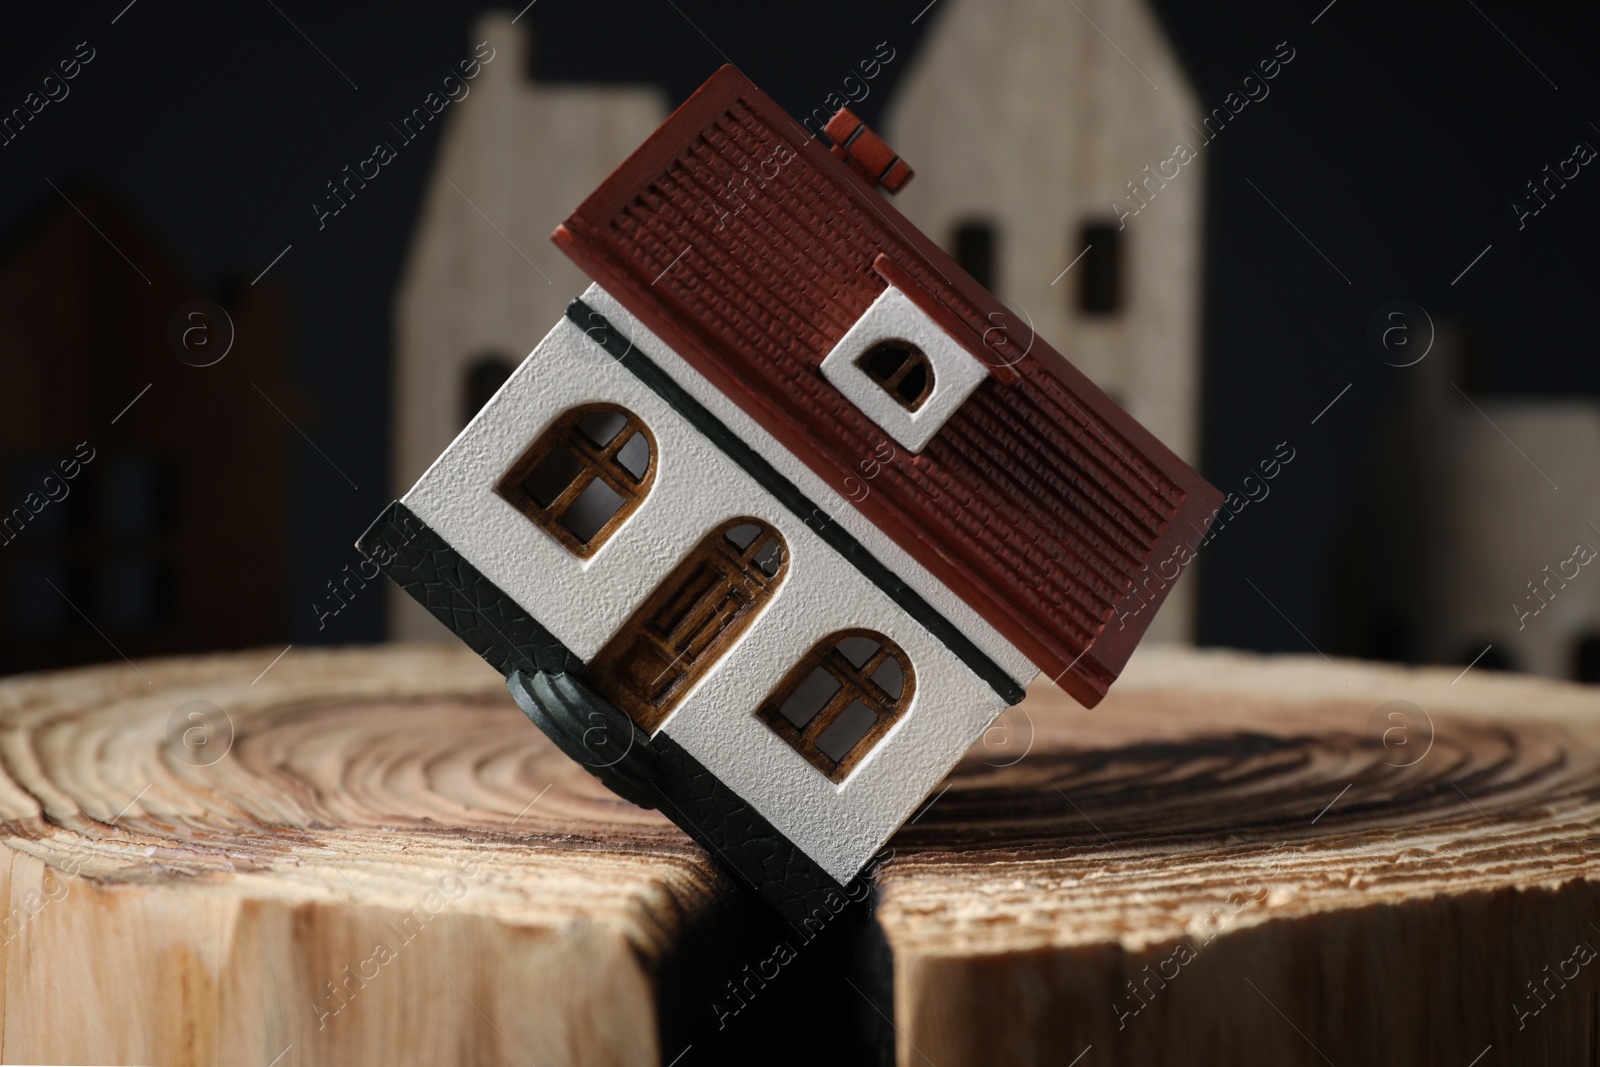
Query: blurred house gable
482, 282
1027, 129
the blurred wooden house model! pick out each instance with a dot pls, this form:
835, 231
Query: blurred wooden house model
1469, 548
145, 499
482, 283
1041, 146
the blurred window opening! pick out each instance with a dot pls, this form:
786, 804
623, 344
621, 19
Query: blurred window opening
135, 496
1492, 660
1587, 659
485, 376
975, 250
1100, 277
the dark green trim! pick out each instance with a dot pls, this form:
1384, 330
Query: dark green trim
622, 349
457, 594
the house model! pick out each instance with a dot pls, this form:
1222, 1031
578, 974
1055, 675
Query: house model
780, 516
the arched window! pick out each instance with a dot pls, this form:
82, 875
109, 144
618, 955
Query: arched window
485, 375
690, 620
584, 476
839, 701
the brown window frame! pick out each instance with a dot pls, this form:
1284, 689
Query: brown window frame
596, 462
890, 383
733, 604
855, 683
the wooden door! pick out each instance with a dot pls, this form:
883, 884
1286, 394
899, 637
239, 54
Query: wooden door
691, 619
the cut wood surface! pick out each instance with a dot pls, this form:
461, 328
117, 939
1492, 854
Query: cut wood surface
1260, 861
389, 865
370, 856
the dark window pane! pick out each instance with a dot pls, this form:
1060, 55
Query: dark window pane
134, 595
135, 496
484, 379
858, 649
591, 511
838, 706
590, 467
975, 251
37, 482
36, 595
602, 426
741, 536
810, 697
769, 557
635, 455
901, 368
890, 678
847, 731
552, 476
1100, 291
914, 384
886, 357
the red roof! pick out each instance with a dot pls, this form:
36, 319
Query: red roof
1040, 502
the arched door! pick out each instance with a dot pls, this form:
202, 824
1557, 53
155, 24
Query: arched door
691, 619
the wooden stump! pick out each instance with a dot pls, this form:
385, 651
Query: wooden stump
369, 856
1253, 861
362, 857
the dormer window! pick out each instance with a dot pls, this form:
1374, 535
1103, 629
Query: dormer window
902, 369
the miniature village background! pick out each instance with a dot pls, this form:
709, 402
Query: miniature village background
260, 267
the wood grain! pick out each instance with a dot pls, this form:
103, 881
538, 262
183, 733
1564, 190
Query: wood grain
1301, 891
1229, 861
390, 865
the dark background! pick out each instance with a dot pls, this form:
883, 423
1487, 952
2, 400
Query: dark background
1396, 142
